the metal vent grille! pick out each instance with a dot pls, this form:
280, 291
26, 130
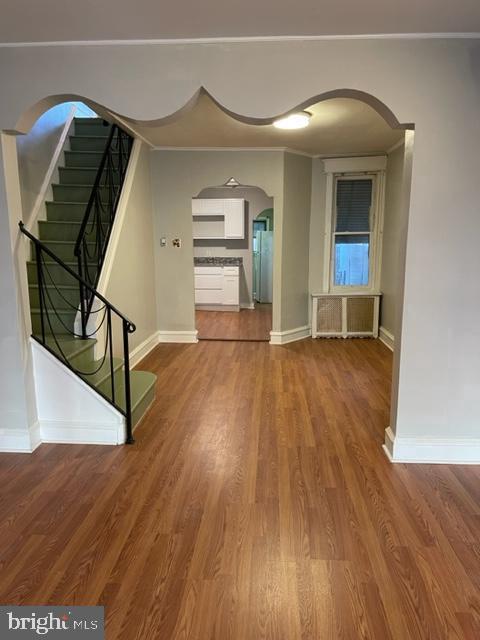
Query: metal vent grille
360, 314
329, 315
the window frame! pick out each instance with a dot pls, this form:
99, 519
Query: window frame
375, 233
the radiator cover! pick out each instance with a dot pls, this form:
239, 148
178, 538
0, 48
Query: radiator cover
345, 316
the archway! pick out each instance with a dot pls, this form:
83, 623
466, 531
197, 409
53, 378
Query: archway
26, 120
233, 309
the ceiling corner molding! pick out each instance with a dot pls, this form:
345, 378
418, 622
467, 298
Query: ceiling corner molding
351, 165
245, 39
258, 149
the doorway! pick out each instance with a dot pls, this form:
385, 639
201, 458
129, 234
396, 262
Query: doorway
233, 271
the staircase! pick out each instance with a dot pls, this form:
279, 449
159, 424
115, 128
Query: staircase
55, 289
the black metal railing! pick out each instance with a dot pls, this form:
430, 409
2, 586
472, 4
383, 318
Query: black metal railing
94, 234
59, 291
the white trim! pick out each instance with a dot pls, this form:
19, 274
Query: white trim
143, 349
336, 169
464, 35
120, 215
355, 164
178, 336
69, 432
327, 239
431, 450
247, 305
127, 125
267, 149
20, 440
39, 205
386, 337
400, 143
291, 335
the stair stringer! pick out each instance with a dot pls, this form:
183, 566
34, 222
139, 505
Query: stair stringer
69, 410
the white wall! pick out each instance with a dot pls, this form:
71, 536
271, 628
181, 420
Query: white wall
395, 218
35, 153
433, 83
256, 202
295, 240
317, 226
130, 275
18, 413
177, 176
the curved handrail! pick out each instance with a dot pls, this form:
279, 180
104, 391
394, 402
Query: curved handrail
95, 187
92, 290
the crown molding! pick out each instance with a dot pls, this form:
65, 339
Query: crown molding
474, 35
280, 149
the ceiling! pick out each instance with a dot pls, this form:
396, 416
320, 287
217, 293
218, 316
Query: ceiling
338, 126
67, 20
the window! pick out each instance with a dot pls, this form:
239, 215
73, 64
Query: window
352, 231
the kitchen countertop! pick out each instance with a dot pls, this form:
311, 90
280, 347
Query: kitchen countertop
218, 262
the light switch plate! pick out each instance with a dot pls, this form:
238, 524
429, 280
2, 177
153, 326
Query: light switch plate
163, 242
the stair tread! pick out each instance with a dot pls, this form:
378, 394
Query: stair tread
103, 374
57, 310
71, 347
72, 287
62, 242
59, 222
63, 202
141, 382
87, 152
88, 135
69, 263
87, 168
73, 184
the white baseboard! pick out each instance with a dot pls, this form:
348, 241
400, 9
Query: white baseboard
178, 336
20, 440
386, 337
143, 349
69, 432
431, 450
292, 335
247, 305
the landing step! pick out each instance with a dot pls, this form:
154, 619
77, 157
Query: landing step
142, 389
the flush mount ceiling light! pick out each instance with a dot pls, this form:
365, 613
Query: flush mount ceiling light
298, 120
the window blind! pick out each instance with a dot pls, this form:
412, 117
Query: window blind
354, 198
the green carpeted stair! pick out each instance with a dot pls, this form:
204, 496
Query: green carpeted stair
59, 233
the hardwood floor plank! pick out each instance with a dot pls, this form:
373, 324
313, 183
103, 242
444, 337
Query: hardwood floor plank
256, 504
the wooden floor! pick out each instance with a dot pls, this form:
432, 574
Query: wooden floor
256, 503
247, 324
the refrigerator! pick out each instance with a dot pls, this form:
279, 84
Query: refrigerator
263, 266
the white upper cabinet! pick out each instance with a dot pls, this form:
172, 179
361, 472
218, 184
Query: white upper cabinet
207, 207
234, 209
231, 211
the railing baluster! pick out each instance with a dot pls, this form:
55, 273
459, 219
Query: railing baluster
110, 349
128, 402
38, 256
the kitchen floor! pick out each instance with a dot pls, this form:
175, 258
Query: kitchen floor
246, 324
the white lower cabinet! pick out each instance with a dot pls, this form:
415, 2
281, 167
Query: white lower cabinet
218, 286
230, 290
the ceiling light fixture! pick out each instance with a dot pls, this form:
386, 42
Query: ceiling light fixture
232, 183
298, 120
